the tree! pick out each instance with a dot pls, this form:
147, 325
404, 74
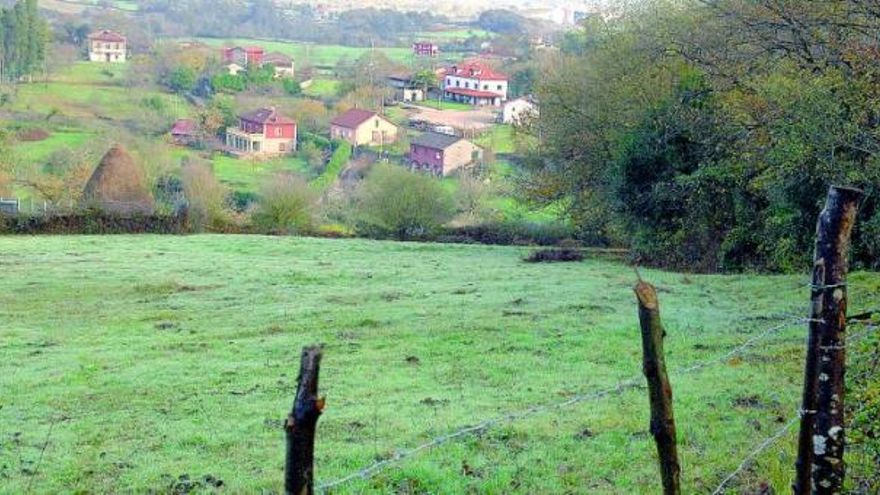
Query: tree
395, 202
182, 79
206, 197
425, 79
286, 205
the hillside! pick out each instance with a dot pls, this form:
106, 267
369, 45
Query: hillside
175, 372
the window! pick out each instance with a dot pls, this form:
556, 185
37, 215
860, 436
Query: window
377, 123
486, 86
457, 84
279, 132
500, 87
282, 147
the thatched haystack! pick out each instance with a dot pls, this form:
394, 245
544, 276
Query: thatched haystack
118, 185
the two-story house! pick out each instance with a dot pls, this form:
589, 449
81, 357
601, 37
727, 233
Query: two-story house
425, 49
107, 46
262, 133
441, 154
363, 127
475, 83
243, 56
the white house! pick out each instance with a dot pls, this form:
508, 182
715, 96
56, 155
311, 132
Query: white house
519, 111
107, 46
475, 83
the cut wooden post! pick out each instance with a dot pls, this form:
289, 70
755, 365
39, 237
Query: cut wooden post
299, 472
659, 388
820, 468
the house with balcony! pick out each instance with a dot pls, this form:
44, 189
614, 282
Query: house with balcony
107, 46
262, 133
475, 83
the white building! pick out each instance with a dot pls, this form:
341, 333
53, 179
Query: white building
475, 83
107, 46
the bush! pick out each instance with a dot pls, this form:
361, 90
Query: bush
554, 255
394, 202
206, 197
292, 87
286, 206
510, 233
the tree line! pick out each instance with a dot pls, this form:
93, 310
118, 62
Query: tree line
704, 133
23, 37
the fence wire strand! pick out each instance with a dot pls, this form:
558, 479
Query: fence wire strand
622, 386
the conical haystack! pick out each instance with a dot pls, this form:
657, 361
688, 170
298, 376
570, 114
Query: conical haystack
117, 185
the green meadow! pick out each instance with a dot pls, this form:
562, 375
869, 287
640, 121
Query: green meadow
306, 54
136, 364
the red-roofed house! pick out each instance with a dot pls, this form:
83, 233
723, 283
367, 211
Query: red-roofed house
107, 46
183, 132
262, 133
475, 83
243, 56
426, 49
363, 127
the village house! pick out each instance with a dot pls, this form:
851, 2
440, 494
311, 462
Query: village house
184, 132
425, 49
282, 63
243, 56
262, 133
441, 154
519, 111
404, 89
362, 127
107, 46
474, 83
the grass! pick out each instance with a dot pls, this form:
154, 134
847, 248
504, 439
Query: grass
322, 88
445, 105
38, 151
499, 138
454, 35
249, 175
123, 377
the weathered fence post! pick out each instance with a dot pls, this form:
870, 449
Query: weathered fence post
659, 389
301, 425
819, 467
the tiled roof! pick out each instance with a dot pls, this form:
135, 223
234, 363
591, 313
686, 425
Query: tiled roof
435, 140
266, 116
475, 70
278, 59
472, 92
353, 118
183, 127
107, 35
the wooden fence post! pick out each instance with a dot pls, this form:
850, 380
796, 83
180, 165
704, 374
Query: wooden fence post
299, 472
819, 466
659, 388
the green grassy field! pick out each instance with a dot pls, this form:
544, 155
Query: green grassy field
249, 175
453, 35
322, 88
38, 151
132, 361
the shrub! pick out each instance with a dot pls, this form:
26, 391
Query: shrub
394, 202
286, 205
206, 197
510, 232
554, 255
292, 87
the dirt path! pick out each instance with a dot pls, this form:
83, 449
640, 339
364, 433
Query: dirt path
477, 119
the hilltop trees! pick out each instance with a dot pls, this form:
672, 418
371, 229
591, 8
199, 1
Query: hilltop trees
23, 38
704, 134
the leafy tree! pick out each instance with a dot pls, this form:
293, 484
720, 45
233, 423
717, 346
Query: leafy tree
395, 202
291, 86
182, 79
286, 205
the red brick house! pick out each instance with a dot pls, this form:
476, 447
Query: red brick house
262, 133
243, 56
441, 154
425, 49
474, 83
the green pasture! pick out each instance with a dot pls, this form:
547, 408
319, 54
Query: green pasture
306, 54
242, 174
135, 364
322, 88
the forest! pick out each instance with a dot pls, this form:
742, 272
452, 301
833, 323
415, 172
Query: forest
704, 134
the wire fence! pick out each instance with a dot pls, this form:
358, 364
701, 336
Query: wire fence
633, 383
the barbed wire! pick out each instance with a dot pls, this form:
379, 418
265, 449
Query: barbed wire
755, 453
750, 458
635, 382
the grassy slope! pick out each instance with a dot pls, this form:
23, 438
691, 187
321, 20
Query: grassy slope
185, 362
